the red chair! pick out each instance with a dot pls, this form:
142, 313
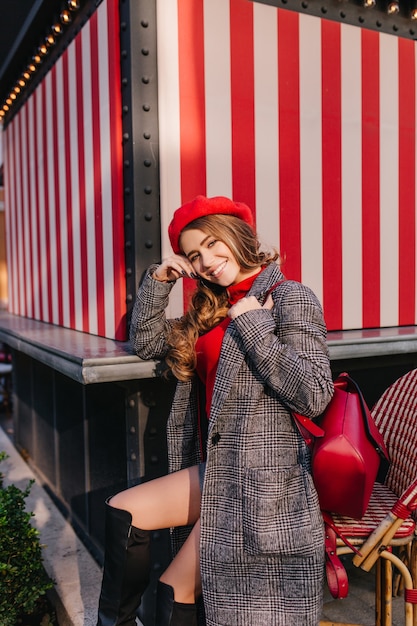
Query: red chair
386, 535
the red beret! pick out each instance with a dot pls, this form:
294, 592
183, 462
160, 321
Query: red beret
201, 206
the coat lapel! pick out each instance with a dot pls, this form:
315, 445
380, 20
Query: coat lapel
232, 354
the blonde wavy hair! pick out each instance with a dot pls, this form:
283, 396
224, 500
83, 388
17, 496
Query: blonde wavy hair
209, 303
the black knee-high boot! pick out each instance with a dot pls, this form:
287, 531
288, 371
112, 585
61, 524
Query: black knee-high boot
171, 613
126, 569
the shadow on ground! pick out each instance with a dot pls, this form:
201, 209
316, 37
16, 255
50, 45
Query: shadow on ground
359, 607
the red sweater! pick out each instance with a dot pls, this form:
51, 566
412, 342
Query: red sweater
208, 346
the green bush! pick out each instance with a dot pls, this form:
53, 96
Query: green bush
23, 580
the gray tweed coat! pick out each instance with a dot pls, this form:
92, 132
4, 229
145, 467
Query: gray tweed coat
262, 544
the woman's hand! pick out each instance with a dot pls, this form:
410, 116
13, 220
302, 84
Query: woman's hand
249, 304
172, 268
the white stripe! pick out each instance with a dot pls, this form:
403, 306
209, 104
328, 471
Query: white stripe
19, 227
169, 129
351, 176
265, 21
106, 174
62, 194
50, 159
42, 164
218, 97
89, 181
310, 154
75, 190
33, 210
13, 269
7, 208
389, 184
26, 278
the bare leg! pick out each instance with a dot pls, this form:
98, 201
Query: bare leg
170, 501
183, 573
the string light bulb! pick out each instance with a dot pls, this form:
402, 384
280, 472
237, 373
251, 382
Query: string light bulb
393, 7
65, 17
369, 4
50, 40
57, 29
73, 5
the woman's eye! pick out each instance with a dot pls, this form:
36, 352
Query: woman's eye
211, 243
193, 258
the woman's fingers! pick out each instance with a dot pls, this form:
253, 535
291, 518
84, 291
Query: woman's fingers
174, 267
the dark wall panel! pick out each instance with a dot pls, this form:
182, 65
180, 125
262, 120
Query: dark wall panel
71, 448
105, 411
44, 421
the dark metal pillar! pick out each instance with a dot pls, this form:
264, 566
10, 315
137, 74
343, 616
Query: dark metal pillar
140, 138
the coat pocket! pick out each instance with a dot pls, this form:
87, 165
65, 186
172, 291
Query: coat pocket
276, 516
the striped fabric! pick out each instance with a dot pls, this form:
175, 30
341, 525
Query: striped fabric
382, 501
395, 415
63, 179
312, 123
309, 121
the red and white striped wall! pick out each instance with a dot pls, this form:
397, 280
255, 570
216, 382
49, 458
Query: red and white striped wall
313, 124
63, 180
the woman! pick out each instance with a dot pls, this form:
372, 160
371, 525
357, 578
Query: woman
250, 350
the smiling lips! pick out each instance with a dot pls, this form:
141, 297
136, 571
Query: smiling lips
219, 269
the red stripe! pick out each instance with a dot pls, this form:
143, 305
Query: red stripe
13, 270
30, 209
192, 106
68, 190
115, 121
47, 276
98, 205
81, 182
332, 174
370, 179
7, 178
406, 174
21, 240
289, 141
242, 102
192, 98
20, 220
36, 214
56, 236
17, 308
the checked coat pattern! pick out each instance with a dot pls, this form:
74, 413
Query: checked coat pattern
262, 542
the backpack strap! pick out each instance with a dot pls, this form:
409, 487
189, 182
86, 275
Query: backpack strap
337, 579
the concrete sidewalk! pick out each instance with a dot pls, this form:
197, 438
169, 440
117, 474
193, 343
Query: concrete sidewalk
78, 576
66, 560
358, 607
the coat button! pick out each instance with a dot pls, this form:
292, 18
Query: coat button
215, 439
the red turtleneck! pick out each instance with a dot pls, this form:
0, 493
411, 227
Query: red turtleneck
208, 346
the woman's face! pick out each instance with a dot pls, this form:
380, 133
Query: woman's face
211, 258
